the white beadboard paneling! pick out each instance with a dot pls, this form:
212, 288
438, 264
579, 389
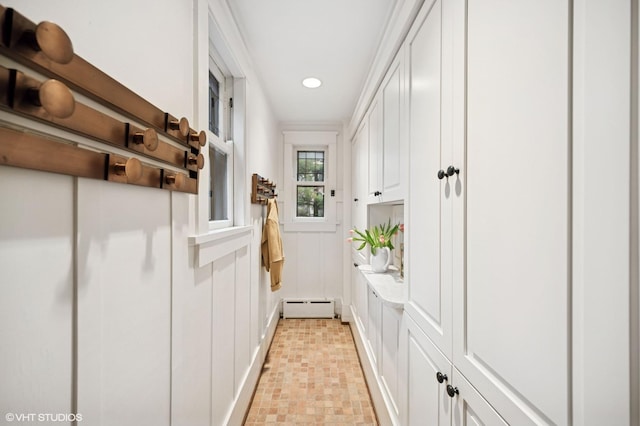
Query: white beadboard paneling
310, 265
223, 337
332, 247
242, 353
191, 327
290, 283
36, 292
124, 304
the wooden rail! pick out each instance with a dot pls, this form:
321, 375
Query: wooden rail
46, 49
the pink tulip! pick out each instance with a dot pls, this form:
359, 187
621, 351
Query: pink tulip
381, 239
349, 240
351, 231
402, 227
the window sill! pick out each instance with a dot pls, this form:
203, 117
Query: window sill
215, 244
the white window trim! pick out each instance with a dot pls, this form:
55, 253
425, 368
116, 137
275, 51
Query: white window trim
309, 141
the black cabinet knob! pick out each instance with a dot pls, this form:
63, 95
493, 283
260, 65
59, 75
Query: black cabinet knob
441, 174
452, 170
355, 200
441, 377
451, 391
355, 265
377, 193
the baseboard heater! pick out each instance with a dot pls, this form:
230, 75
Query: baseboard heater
308, 308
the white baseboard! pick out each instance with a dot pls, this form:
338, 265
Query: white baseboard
243, 400
378, 397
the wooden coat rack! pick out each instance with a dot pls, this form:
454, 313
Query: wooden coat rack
46, 49
262, 189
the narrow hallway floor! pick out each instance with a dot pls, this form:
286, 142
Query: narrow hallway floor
312, 375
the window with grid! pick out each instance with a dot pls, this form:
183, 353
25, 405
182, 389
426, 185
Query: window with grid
310, 183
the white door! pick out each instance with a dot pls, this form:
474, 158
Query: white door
511, 288
429, 236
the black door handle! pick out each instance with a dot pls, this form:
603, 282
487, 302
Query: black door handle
451, 391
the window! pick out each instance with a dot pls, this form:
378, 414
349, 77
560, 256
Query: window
310, 184
218, 197
214, 105
310, 179
220, 151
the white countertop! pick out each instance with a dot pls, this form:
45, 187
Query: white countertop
388, 285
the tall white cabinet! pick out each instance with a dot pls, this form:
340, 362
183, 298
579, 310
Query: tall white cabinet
510, 230
512, 219
488, 206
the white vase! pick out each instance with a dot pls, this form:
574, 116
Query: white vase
381, 260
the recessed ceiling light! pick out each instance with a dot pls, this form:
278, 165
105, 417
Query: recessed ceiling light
311, 82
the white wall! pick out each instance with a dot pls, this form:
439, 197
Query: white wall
102, 310
314, 260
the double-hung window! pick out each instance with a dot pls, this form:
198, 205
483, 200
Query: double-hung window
310, 184
220, 151
310, 180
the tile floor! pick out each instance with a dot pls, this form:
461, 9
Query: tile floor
312, 376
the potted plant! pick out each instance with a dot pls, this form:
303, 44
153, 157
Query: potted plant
379, 240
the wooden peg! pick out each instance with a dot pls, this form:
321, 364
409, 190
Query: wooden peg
200, 138
132, 169
52, 41
196, 160
149, 138
54, 97
174, 180
181, 125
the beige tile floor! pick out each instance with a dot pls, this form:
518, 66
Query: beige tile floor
312, 376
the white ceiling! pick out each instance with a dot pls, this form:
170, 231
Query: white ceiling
333, 40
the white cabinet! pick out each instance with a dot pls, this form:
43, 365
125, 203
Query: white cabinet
360, 161
434, 392
511, 307
488, 245
374, 330
388, 138
428, 243
359, 297
389, 347
376, 148
378, 314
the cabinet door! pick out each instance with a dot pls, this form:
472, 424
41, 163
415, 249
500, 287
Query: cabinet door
392, 152
511, 300
428, 237
360, 302
374, 120
373, 330
360, 162
470, 408
391, 318
423, 401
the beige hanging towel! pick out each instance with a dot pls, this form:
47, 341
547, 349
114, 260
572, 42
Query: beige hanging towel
272, 254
